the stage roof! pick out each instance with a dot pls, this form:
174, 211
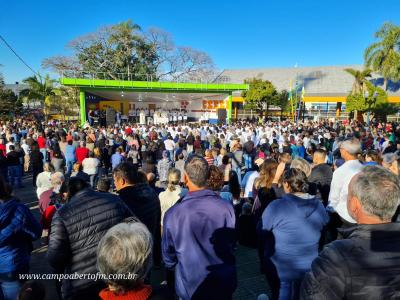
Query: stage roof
92, 85
151, 91
141, 96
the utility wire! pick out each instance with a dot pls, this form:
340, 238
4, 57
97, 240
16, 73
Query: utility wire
19, 57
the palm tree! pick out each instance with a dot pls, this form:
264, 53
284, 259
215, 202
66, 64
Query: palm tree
383, 56
359, 85
360, 77
41, 89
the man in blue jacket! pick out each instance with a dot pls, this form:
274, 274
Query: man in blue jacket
198, 239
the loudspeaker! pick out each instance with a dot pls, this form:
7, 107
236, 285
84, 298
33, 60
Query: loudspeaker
221, 115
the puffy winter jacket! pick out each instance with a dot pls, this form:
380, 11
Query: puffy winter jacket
18, 228
364, 265
76, 231
144, 203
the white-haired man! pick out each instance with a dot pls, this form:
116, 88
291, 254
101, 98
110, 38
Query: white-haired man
366, 263
337, 202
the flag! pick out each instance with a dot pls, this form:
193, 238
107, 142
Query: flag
291, 96
303, 93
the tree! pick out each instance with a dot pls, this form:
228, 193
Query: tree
1, 79
260, 95
382, 110
356, 96
282, 101
383, 56
66, 101
358, 102
112, 52
40, 88
9, 103
177, 62
360, 77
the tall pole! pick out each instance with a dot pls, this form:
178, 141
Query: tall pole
82, 106
299, 110
229, 108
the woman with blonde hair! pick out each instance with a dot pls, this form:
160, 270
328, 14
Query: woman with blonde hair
89, 143
173, 193
209, 157
264, 190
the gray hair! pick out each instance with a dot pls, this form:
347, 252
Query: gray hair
389, 158
352, 146
57, 178
126, 248
378, 190
174, 176
302, 165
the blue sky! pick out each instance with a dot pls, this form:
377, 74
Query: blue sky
237, 34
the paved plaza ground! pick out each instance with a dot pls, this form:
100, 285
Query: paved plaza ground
250, 282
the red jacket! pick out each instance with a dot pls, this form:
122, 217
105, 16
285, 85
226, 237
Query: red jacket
141, 293
3, 149
41, 142
81, 153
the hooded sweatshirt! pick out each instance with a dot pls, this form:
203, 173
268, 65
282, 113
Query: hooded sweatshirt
295, 223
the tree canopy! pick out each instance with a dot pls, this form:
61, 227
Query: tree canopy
360, 77
260, 95
1, 79
383, 56
40, 88
125, 51
9, 103
358, 102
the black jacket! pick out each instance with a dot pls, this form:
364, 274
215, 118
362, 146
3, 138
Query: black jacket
13, 158
320, 179
144, 203
76, 231
364, 265
36, 159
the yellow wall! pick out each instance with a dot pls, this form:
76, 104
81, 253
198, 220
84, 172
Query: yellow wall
394, 99
316, 99
116, 105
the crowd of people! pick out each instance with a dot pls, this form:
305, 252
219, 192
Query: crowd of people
318, 200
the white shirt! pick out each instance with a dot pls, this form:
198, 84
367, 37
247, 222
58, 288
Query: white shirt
169, 145
43, 183
248, 190
169, 198
340, 188
90, 165
26, 148
8, 147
